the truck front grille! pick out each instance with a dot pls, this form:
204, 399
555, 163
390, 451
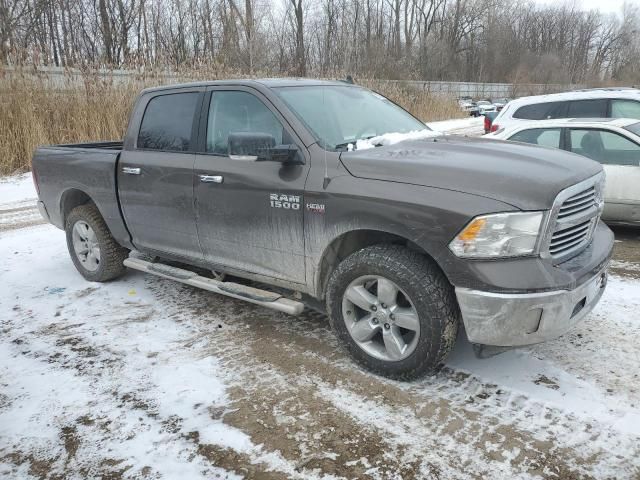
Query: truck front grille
580, 202
573, 218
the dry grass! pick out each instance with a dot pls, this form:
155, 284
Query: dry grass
33, 112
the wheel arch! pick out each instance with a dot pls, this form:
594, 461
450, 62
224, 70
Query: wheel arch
70, 199
351, 241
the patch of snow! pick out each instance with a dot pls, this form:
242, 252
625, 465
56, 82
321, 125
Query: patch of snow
16, 190
394, 137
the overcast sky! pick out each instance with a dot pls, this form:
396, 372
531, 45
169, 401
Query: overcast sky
609, 6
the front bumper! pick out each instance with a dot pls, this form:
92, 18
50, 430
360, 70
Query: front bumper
548, 299
510, 320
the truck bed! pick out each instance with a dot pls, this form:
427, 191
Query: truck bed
107, 145
70, 171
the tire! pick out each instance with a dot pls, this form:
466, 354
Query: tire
425, 302
107, 264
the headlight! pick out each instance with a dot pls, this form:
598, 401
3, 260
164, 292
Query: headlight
498, 235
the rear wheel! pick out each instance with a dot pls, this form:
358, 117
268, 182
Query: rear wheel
95, 253
394, 311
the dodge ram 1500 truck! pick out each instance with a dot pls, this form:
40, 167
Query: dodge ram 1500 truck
286, 193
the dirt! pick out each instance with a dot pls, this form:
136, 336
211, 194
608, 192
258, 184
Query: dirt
296, 395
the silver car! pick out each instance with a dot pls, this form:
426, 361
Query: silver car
615, 143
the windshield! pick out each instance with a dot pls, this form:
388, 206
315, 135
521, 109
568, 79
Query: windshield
634, 128
338, 115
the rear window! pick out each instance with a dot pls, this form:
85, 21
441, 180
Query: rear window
167, 122
547, 137
537, 111
588, 109
634, 128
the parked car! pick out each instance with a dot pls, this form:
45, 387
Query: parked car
468, 105
615, 143
269, 182
489, 117
593, 103
500, 103
485, 106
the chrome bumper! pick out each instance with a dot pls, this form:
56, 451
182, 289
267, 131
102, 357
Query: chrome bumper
510, 320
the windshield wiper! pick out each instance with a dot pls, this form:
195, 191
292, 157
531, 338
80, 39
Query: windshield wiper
345, 145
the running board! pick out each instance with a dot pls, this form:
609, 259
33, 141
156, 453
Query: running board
272, 300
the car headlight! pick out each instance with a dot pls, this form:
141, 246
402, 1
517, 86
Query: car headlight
498, 235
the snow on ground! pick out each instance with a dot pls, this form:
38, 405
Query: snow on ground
17, 189
473, 126
146, 378
143, 377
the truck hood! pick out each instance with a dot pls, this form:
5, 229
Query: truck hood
526, 176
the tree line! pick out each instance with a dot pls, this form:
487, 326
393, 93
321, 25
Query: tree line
455, 40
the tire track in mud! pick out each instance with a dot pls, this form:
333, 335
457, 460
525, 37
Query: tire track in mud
19, 215
293, 391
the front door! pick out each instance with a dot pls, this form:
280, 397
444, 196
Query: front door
620, 158
155, 176
249, 213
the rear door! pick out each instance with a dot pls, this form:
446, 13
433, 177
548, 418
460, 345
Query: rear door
546, 137
620, 158
249, 213
155, 173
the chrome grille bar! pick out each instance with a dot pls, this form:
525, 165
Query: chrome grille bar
572, 219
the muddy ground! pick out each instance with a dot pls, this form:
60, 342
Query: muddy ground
83, 367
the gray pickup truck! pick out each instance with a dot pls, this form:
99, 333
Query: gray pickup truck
290, 193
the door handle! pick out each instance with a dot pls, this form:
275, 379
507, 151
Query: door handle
211, 178
131, 171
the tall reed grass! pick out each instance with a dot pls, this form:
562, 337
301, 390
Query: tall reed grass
33, 112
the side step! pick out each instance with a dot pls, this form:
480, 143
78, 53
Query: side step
272, 300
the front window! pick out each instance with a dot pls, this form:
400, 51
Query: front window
608, 148
238, 112
338, 116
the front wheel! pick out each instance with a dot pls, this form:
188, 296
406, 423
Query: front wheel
394, 310
95, 253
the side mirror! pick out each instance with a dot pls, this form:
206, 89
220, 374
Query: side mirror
286, 154
248, 146
261, 147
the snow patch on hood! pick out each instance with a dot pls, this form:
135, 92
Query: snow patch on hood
393, 138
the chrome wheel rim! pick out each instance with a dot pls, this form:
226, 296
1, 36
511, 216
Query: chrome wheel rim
381, 318
86, 246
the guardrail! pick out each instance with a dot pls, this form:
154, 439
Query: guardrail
60, 77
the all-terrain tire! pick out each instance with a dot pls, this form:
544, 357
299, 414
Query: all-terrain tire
111, 253
428, 290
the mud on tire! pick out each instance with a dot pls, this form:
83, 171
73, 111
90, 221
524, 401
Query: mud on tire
112, 255
428, 291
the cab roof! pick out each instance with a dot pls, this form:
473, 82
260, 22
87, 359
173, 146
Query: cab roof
263, 82
588, 94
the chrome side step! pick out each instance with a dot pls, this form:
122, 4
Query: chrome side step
272, 300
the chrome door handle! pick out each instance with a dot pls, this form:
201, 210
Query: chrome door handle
131, 171
211, 178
